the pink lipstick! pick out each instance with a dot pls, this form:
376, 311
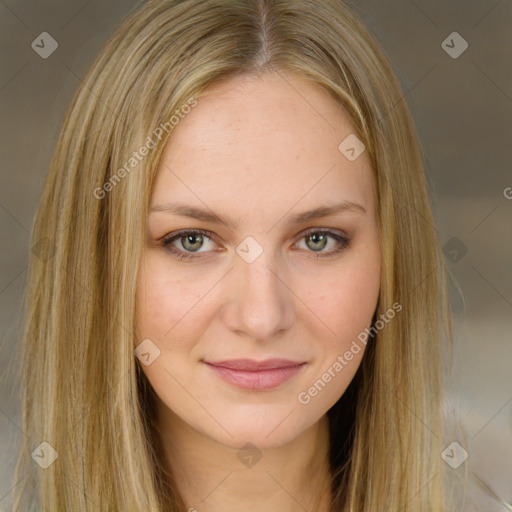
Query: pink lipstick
255, 375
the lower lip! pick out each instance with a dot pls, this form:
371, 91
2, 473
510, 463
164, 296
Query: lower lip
256, 380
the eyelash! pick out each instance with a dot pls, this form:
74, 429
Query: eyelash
343, 242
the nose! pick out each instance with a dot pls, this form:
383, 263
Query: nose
260, 302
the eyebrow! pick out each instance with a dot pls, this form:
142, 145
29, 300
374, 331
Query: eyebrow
206, 215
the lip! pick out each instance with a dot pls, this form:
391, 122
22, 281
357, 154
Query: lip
256, 375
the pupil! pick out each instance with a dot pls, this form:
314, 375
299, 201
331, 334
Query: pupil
315, 237
191, 239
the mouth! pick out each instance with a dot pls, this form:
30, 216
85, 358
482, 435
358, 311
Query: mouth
256, 375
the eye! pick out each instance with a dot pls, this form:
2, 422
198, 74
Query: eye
317, 240
185, 244
191, 241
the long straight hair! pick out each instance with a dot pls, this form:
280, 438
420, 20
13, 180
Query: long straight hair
83, 391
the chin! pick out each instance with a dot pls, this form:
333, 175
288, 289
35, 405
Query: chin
261, 430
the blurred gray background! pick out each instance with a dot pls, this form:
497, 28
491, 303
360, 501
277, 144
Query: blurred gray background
461, 101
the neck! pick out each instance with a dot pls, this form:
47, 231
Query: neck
212, 477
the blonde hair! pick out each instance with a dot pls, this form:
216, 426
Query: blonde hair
83, 391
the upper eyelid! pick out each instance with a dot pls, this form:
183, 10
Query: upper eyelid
181, 233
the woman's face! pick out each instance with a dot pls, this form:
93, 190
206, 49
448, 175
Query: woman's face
256, 324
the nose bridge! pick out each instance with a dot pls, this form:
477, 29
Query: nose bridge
263, 304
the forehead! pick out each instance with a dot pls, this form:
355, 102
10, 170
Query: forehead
262, 144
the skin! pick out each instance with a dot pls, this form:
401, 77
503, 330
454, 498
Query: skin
256, 150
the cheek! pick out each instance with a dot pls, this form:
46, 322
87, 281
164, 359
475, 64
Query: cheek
347, 309
167, 313
163, 303
346, 299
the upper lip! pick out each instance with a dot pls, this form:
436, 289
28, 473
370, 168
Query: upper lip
250, 365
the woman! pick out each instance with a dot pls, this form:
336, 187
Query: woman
185, 347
